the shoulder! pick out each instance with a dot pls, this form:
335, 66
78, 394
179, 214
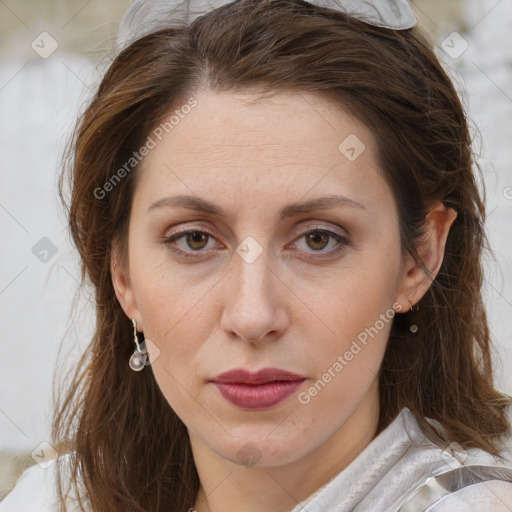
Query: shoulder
35, 490
495, 495
421, 460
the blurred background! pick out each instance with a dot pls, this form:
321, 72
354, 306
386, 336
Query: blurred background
52, 54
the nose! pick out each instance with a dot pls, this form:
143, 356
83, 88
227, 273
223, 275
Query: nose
254, 302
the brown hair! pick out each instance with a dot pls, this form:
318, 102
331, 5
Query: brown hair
132, 450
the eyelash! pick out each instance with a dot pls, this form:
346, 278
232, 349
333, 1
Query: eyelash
168, 241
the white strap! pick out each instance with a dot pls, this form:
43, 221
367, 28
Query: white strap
435, 487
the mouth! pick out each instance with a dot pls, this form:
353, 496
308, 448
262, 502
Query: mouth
255, 391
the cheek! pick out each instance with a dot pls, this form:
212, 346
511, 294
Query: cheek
357, 295
166, 295
347, 364
356, 311
175, 319
350, 360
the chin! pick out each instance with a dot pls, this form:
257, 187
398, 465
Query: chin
261, 450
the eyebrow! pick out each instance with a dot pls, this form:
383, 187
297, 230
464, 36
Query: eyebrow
290, 210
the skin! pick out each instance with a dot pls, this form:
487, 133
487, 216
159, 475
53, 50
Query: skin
298, 306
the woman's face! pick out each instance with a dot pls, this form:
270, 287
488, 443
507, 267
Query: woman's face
263, 235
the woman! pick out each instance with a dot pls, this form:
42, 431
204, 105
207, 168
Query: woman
276, 205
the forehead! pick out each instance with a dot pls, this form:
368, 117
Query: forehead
246, 120
242, 145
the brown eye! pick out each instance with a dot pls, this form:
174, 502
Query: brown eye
322, 241
191, 243
196, 239
317, 240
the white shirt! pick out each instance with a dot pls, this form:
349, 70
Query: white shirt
382, 475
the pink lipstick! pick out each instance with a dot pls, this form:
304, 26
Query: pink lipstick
261, 390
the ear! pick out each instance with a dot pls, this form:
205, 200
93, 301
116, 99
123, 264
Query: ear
415, 282
122, 286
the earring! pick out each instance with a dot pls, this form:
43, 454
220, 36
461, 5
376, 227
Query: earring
413, 327
140, 354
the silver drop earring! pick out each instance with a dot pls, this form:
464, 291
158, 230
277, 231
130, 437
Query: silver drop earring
413, 327
140, 355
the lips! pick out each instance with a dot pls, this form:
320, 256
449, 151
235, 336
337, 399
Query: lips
261, 390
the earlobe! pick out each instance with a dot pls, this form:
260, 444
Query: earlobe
123, 288
415, 281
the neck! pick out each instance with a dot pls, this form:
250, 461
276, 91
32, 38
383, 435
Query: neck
227, 486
